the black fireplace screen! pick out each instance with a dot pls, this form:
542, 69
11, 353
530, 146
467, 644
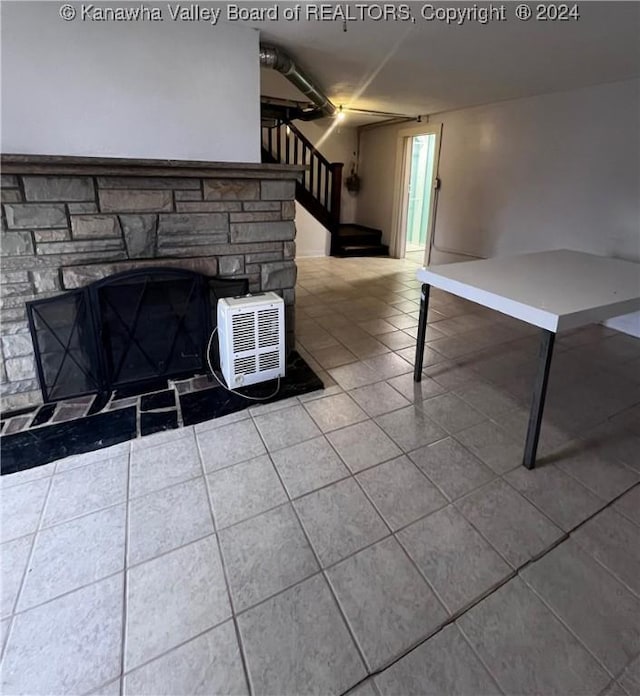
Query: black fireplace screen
131, 327
65, 346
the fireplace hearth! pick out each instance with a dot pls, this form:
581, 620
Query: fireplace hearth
42, 434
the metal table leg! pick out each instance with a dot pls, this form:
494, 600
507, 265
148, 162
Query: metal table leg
539, 393
422, 332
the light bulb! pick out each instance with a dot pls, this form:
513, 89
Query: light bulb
341, 114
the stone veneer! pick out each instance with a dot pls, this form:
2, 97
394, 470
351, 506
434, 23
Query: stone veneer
67, 221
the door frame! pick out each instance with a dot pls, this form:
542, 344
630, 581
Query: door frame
401, 189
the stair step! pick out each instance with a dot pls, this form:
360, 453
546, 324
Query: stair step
348, 229
359, 234
363, 250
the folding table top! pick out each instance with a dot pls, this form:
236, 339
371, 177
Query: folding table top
554, 290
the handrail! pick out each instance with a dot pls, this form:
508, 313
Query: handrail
309, 144
321, 185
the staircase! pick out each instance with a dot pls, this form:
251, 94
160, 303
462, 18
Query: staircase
320, 189
358, 240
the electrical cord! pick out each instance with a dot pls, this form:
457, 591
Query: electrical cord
224, 386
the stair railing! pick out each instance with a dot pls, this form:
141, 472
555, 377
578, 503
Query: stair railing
320, 189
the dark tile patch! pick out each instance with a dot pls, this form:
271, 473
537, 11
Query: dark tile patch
17, 424
51, 440
99, 403
154, 422
195, 384
43, 415
18, 412
163, 399
122, 403
300, 377
216, 402
46, 444
81, 400
67, 412
209, 403
183, 387
139, 389
202, 382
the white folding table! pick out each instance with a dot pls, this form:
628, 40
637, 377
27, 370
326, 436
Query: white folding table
554, 290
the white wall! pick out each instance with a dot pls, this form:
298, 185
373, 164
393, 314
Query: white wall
183, 90
560, 170
553, 171
312, 238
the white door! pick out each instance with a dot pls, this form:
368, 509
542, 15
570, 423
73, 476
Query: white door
418, 153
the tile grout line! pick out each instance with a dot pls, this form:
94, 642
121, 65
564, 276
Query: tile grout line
20, 613
604, 503
125, 579
233, 617
319, 566
350, 473
9, 619
515, 573
4, 487
25, 572
566, 626
595, 558
453, 618
171, 550
73, 518
181, 482
324, 570
597, 494
512, 572
285, 503
69, 519
480, 659
635, 523
624, 669
446, 496
563, 536
164, 653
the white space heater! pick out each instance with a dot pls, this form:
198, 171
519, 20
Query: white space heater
251, 338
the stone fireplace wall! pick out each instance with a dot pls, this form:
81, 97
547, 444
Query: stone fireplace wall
69, 221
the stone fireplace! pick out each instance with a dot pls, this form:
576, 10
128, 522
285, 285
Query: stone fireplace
68, 221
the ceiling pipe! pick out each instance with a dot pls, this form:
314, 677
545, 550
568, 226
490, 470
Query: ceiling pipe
387, 122
276, 59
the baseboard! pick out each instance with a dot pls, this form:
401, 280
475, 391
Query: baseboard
311, 253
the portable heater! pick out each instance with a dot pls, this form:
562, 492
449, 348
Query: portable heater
251, 338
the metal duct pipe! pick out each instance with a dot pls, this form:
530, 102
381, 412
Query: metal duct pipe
275, 58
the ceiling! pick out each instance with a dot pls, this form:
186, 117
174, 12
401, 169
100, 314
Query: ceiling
424, 67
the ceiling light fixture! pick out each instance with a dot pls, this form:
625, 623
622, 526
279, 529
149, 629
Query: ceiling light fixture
341, 114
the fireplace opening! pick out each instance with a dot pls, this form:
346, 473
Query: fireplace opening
129, 328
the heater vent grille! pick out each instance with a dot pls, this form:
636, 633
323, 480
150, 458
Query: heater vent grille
269, 361
244, 337
245, 366
251, 338
268, 328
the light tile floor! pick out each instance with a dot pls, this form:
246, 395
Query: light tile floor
378, 536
